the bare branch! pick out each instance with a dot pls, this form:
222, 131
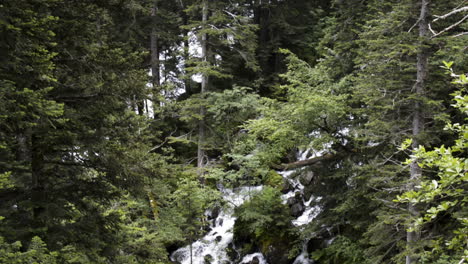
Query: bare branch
465, 8
415, 24
459, 35
163, 143
432, 31
450, 27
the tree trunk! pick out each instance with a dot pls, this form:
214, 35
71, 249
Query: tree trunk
155, 63
204, 88
418, 122
191, 253
37, 191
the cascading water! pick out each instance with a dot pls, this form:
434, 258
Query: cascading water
250, 258
309, 213
212, 247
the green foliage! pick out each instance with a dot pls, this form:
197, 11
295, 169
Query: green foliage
230, 35
273, 179
191, 200
341, 251
86, 176
36, 252
314, 103
445, 195
265, 220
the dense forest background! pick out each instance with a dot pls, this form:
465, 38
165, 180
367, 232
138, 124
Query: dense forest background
122, 122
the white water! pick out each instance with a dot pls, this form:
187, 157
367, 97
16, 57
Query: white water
216, 242
310, 212
248, 258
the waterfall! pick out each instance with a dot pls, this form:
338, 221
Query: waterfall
250, 258
212, 247
310, 211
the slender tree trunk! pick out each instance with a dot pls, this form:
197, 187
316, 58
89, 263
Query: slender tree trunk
140, 107
155, 63
191, 253
418, 122
185, 21
204, 88
37, 192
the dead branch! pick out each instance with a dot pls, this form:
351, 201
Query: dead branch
465, 8
449, 27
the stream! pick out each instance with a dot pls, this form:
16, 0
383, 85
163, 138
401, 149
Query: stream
212, 247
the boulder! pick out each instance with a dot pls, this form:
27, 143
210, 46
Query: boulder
308, 191
306, 178
297, 198
297, 209
277, 254
286, 187
208, 259
232, 252
214, 213
255, 260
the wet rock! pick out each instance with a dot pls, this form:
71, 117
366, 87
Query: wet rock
232, 252
178, 257
308, 193
297, 209
218, 238
291, 201
255, 260
208, 259
297, 198
286, 187
214, 213
277, 254
306, 178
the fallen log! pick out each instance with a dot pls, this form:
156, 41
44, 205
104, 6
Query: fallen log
307, 162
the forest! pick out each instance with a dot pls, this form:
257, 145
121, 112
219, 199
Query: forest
233, 131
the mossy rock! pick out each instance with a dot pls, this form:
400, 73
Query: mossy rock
273, 179
208, 259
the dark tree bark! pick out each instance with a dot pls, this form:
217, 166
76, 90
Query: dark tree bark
204, 87
418, 121
37, 188
155, 63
